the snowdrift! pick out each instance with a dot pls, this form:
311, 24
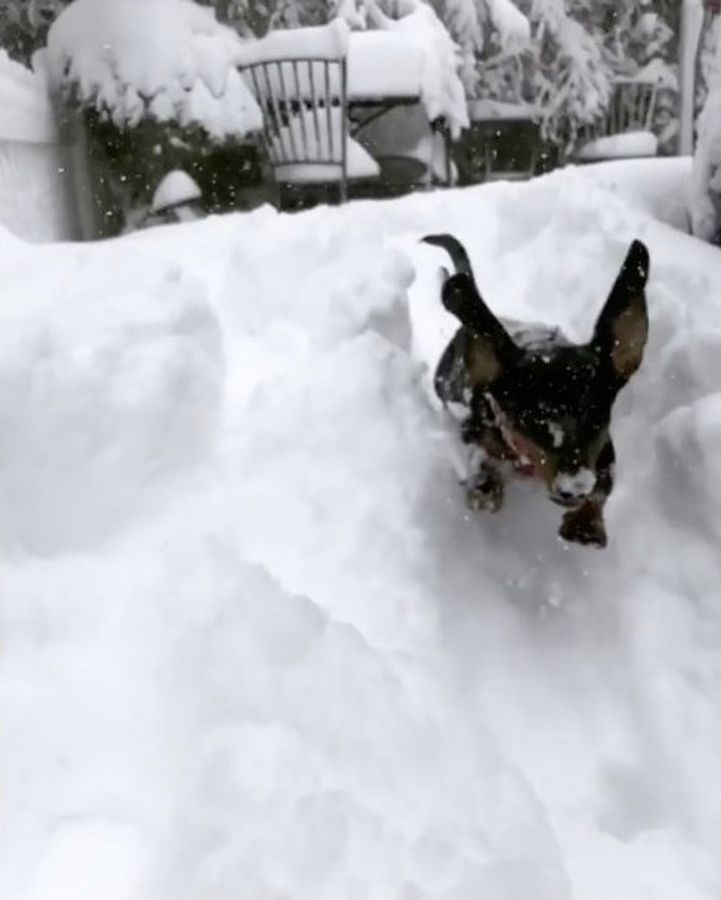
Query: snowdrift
253, 644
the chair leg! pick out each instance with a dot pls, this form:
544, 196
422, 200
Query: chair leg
439, 126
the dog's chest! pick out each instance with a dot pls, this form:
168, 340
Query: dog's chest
482, 422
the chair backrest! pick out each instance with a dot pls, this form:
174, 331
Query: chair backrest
305, 110
631, 108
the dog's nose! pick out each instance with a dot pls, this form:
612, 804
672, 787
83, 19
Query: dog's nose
570, 488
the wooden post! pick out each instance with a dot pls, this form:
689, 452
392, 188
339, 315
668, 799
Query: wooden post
692, 17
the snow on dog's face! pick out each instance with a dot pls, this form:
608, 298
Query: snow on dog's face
554, 407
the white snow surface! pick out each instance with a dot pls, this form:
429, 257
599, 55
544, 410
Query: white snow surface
253, 645
168, 59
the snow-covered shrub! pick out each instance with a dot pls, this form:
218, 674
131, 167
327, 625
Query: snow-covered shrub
158, 87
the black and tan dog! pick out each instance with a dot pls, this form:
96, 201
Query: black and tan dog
534, 399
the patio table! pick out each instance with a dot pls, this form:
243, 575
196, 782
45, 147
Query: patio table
385, 72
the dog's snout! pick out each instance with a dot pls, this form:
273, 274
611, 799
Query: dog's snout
568, 489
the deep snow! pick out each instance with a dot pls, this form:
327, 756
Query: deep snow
252, 643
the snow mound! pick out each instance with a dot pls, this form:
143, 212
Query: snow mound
102, 392
252, 639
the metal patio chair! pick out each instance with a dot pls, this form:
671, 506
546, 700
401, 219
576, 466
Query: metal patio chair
305, 112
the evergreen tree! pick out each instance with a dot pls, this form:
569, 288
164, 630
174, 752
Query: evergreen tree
575, 49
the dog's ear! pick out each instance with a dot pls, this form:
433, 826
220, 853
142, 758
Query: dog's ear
491, 349
622, 327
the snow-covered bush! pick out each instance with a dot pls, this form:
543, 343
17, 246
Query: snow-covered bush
158, 88
169, 60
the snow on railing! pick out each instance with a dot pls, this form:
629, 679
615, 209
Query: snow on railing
27, 113
34, 198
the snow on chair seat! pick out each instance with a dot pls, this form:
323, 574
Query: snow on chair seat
322, 147
625, 128
299, 79
620, 146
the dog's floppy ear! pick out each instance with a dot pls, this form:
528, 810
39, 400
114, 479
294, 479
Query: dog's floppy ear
491, 348
622, 327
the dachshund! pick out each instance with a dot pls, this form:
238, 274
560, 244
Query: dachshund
538, 401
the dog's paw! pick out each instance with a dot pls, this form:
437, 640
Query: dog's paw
584, 526
486, 492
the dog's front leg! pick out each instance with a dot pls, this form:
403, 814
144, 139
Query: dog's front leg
584, 524
484, 484
484, 488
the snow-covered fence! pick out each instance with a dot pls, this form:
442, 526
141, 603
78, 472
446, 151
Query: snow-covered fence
35, 197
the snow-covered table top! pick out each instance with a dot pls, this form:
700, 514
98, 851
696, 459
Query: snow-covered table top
412, 57
481, 110
380, 64
383, 64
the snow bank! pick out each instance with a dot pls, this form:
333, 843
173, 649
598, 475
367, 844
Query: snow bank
169, 59
105, 390
660, 187
252, 639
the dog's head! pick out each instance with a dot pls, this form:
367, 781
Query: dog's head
554, 406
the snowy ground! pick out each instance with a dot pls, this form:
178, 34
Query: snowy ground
252, 644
